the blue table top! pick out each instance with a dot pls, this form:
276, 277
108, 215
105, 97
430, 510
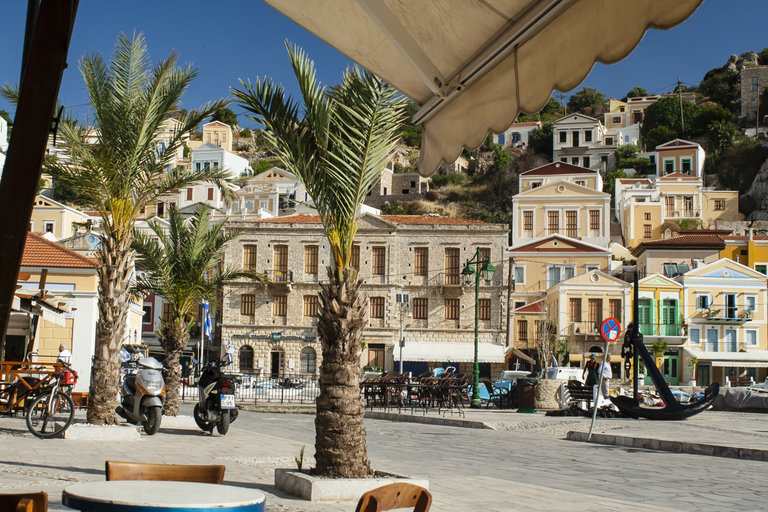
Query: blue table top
154, 496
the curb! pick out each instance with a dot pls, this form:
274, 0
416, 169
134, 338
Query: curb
429, 420
280, 409
731, 452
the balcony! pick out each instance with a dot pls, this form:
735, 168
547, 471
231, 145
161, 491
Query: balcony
280, 280
451, 285
730, 315
584, 329
685, 213
661, 330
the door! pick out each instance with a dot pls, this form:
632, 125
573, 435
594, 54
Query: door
704, 375
711, 340
670, 368
277, 364
575, 139
730, 305
645, 316
731, 345
668, 318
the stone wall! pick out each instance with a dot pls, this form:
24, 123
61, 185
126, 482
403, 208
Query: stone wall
546, 393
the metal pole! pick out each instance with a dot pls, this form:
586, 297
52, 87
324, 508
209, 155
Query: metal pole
402, 341
476, 400
635, 329
599, 388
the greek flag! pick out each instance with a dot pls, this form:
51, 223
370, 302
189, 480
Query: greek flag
554, 361
206, 319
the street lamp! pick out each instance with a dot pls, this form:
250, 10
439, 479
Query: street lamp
479, 267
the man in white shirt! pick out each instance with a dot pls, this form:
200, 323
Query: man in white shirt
65, 356
607, 373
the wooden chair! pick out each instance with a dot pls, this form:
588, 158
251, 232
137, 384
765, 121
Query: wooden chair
24, 502
393, 496
209, 474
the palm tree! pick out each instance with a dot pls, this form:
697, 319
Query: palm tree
184, 267
119, 169
337, 145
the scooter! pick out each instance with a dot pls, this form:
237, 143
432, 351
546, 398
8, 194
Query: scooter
142, 394
215, 406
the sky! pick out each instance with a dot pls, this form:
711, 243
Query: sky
244, 39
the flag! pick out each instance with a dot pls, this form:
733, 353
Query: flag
206, 319
554, 361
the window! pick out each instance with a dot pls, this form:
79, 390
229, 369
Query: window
537, 184
594, 220
378, 260
574, 309
485, 253
355, 259
694, 336
595, 311
763, 269
420, 309
647, 231
575, 160
452, 266
160, 209
280, 305
604, 159
249, 257
280, 265
563, 136
614, 306
581, 182
376, 355
702, 302
421, 261
557, 273
520, 274
608, 142
669, 202
669, 166
553, 222
484, 309
591, 266
451, 309
377, 307
189, 194
686, 164
575, 139
719, 205
405, 191
522, 330
588, 136
527, 221
755, 84
750, 338
750, 303
167, 311
245, 359
586, 161
616, 120
564, 160
310, 259
571, 224
647, 216
310, 305
413, 184
210, 193
308, 360
247, 304
49, 227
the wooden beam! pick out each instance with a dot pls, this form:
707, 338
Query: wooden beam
46, 60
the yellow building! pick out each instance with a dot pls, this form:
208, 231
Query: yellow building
61, 221
677, 255
749, 250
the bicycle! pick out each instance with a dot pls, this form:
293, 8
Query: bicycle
52, 410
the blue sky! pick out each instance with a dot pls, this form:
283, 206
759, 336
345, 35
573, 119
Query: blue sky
245, 39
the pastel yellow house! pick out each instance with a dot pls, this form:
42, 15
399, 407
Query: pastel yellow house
725, 313
60, 220
677, 255
749, 250
216, 133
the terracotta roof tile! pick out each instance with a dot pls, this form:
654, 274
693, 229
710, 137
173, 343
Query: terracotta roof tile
630, 181
39, 252
682, 242
533, 307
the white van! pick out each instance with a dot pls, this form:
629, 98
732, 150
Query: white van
565, 373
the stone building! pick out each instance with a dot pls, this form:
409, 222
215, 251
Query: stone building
392, 186
753, 80
274, 330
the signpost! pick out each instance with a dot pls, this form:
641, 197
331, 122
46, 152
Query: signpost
610, 329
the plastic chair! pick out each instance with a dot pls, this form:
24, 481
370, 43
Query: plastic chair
207, 474
394, 496
24, 502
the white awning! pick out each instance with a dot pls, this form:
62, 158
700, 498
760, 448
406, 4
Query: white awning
450, 352
473, 66
747, 359
511, 352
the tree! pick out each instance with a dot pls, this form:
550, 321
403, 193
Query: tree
540, 141
708, 115
609, 184
588, 101
336, 143
182, 263
666, 112
740, 164
636, 92
722, 88
410, 132
657, 136
545, 334
626, 158
120, 173
225, 116
722, 135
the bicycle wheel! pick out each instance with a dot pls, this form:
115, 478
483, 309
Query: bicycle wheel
47, 422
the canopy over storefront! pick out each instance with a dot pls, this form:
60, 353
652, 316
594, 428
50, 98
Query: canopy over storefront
512, 353
473, 66
450, 352
746, 359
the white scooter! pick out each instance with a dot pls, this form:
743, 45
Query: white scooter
142, 395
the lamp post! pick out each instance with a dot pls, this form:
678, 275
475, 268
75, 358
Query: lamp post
480, 267
403, 300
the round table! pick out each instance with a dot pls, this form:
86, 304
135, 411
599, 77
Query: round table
165, 496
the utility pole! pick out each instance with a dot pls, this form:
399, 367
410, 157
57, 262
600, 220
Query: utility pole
510, 291
682, 119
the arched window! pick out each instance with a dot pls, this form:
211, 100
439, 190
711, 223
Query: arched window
246, 359
308, 360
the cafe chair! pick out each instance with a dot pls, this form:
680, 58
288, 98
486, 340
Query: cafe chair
24, 502
207, 474
394, 496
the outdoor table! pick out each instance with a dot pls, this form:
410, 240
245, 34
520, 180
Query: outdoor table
161, 496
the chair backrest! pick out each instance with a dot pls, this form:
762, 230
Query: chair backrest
394, 496
24, 502
208, 474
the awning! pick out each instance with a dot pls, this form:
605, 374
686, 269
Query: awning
517, 353
575, 358
747, 359
473, 66
450, 351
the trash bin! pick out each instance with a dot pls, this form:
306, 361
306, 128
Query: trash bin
526, 395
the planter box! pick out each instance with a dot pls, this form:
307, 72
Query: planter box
312, 488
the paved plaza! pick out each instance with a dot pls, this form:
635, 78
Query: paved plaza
521, 463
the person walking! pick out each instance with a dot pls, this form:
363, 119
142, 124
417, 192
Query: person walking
607, 373
590, 370
65, 356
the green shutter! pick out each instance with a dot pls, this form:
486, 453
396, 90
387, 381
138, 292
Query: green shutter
677, 320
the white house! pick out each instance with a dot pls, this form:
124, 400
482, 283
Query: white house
3, 142
210, 156
516, 135
583, 140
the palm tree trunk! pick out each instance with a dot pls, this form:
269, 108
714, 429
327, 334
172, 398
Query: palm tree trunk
340, 446
116, 266
173, 338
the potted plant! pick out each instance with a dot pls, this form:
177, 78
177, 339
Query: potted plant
692, 362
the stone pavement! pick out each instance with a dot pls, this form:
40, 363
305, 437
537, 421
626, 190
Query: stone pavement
517, 462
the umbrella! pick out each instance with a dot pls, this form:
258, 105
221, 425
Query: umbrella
474, 65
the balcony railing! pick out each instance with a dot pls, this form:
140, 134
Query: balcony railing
279, 276
685, 213
731, 314
658, 329
585, 328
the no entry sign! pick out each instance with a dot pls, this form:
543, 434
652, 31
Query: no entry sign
610, 329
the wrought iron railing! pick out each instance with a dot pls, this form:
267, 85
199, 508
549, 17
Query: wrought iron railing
279, 276
301, 388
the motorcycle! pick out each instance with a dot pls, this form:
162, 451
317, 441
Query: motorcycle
216, 397
142, 394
